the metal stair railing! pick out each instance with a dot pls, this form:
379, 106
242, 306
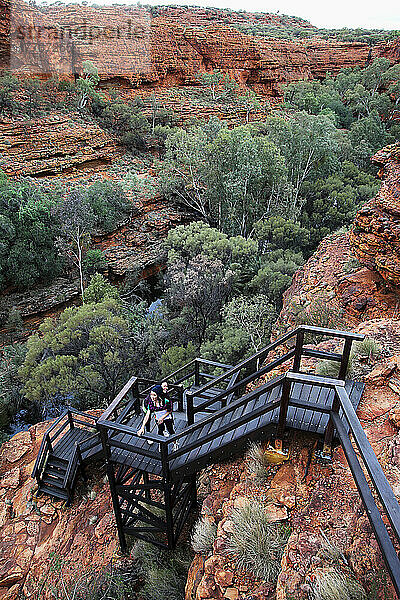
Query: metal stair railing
68, 420
379, 482
296, 353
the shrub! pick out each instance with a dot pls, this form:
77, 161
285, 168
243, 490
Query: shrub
164, 573
334, 585
257, 464
176, 357
108, 202
203, 536
100, 289
368, 348
320, 312
27, 234
163, 584
256, 543
11, 400
94, 261
86, 584
330, 368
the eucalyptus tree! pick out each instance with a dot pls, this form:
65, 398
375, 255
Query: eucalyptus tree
246, 179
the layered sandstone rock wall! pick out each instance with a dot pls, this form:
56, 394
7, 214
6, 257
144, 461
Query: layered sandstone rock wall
375, 236
53, 144
169, 46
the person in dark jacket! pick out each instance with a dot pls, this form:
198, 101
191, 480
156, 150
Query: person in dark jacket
161, 408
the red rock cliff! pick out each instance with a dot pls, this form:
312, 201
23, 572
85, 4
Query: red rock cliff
375, 237
176, 44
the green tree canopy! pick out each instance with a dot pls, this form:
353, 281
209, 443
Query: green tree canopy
85, 356
28, 231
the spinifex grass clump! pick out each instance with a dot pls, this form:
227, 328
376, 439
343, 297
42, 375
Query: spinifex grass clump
257, 462
334, 585
330, 368
203, 536
257, 544
368, 348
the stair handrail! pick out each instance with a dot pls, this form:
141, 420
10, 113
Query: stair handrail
298, 332
45, 446
235, 386
80, 413
120, 396
44, 450
229, 408
377, 476
71, 465
247, 361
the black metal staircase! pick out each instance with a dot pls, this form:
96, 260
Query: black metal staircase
71, 441
153, 487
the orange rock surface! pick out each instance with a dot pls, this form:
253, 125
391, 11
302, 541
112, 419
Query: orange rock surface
375, 236
54, 144
332, 287
175, 44
33, 530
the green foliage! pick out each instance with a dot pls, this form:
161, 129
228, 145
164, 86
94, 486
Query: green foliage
257, 544
27, 234
197, 291
330, 368
181, 177
315, 97
250, 103
275, 276
164, 573
253, 316
94, 260
367, 135
176, 357
332, 202
361, 100
367, 348
111, 582
219, 87
88, 353
108, 202
8, 102
188, 241
203, 536
11, 399
225, 344
245, 178
100, 289
229, 177
320, 311
280, 233
14, 323
291, 28
127, 122
331, 584
87, 83
36, 222
309, 145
